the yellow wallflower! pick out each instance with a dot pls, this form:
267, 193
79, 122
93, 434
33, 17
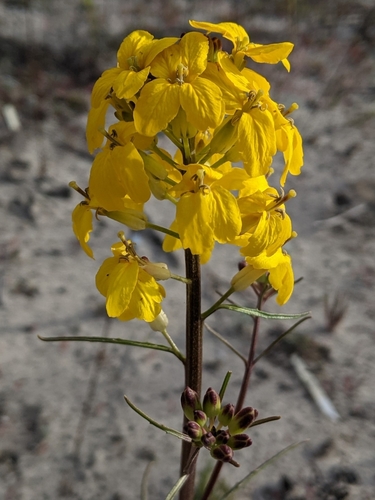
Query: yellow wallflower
134, 57
178, 84
118, 171
271, 53
207, 211
129, 290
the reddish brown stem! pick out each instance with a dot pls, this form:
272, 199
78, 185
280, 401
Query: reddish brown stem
193, 366
241, 396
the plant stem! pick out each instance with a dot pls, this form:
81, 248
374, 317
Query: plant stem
193, 365
241, 396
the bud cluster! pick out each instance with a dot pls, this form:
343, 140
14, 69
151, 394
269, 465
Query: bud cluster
215, 427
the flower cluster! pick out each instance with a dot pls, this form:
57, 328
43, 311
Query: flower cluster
207, 422
225, 130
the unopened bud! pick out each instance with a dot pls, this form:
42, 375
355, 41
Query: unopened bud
132, 218
160, 323
222, 437
242, 420
158, 188
190, 402
246, 277
224, 138
211, 403
154, 166
193, 430
224, 453
158, 270
208, 440
239, 441
200, 417
226, 414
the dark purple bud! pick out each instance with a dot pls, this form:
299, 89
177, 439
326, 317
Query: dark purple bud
211, 403
193, 430
222, 437
208, 440
200, 417
223, 453
242, 420
239, 441
226, 414
190, 402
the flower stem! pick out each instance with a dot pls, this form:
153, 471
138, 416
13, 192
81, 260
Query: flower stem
241, 396
193, 365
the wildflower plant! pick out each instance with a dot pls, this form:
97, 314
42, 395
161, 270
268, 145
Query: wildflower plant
224, 129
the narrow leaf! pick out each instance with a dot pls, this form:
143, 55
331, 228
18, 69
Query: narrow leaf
256, 471
225, 342
263, 314
146, 345
176, 488
280, 337
168, 430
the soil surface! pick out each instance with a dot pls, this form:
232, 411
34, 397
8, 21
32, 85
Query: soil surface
65, 430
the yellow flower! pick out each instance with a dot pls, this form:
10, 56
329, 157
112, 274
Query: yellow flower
178, 84
82, 226
129, 290
271, 53
265, 225
207, 211
134, 57
281, 276
118, 171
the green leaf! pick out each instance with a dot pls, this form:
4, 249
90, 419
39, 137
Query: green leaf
256, 471
105, 340
168, 430
176, 488
262, 314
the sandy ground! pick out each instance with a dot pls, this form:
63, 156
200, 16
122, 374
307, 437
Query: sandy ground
65, 430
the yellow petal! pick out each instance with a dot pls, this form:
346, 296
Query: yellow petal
131, 45
226, 217
102, 276
202, 103
128, 164
121, 284
157, 105
146, 299
256, 141
231, 31
194, 222
282, 279
271, 53
82, 226
103, 86
155, 47
105, 188
194, 50
96, 121
129, 82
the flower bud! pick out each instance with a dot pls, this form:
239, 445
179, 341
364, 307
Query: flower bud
193, 430
246, 277
239, 441
157, 270
211, 403
242, 420
134, 219
208, 440
223, 453
190, 402
200, 417
160, 323
224, 138
153, 166
222, 437
226, 414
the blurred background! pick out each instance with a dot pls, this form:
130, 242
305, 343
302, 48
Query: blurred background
65, 431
